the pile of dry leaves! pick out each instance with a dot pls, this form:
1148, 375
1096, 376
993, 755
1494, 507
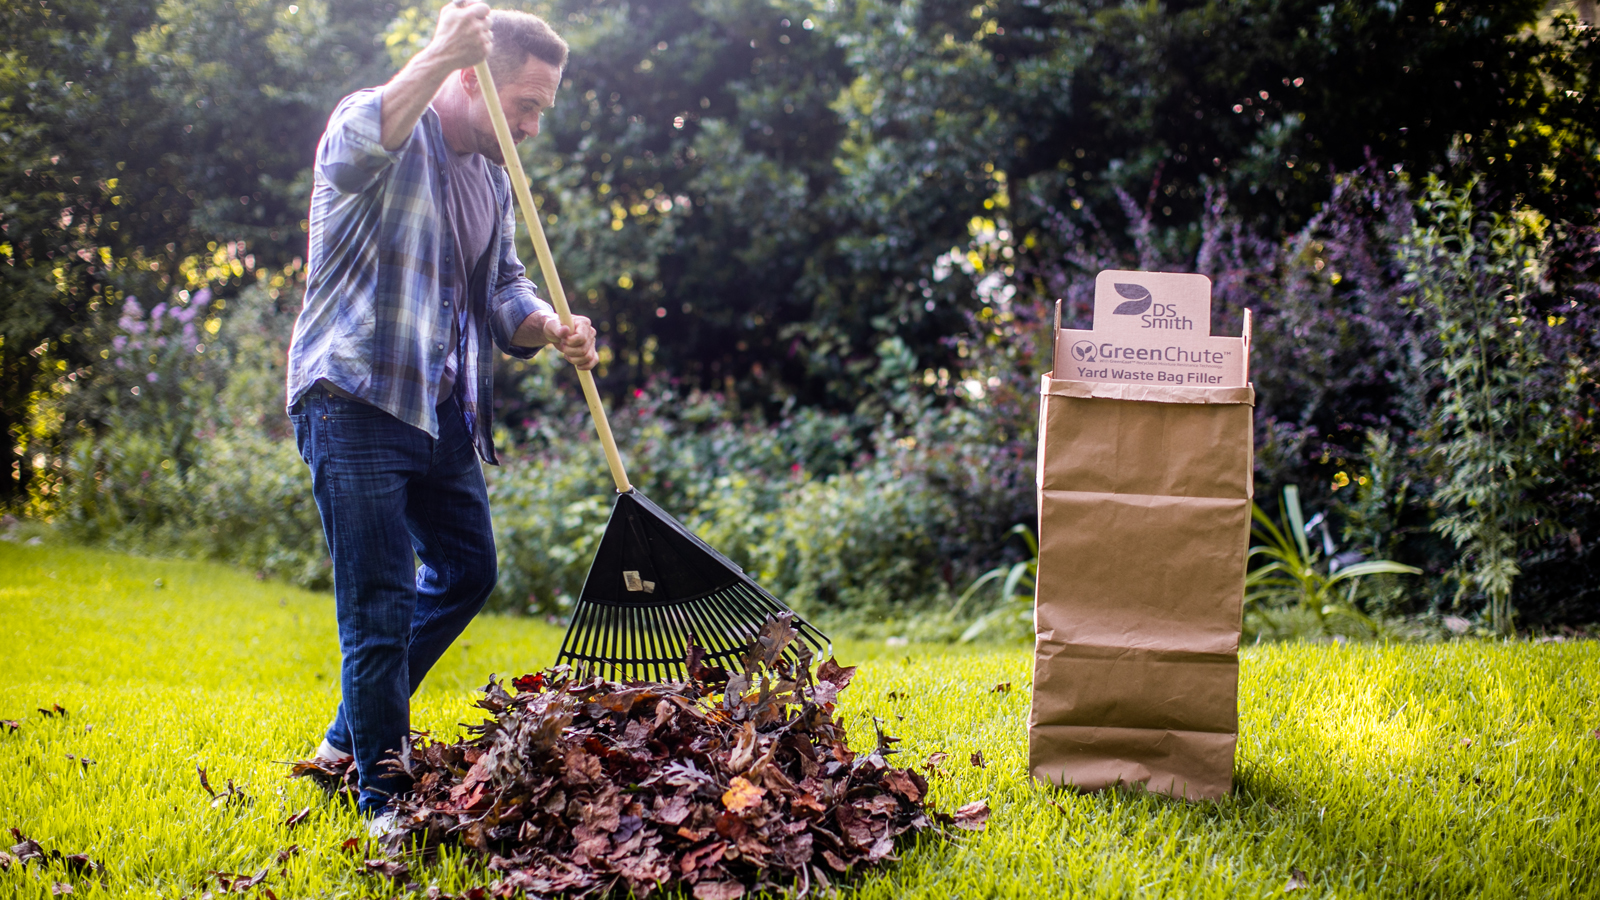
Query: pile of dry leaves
720, 784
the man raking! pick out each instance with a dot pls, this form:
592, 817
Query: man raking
413, 273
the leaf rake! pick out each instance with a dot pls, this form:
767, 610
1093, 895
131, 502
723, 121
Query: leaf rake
654, 587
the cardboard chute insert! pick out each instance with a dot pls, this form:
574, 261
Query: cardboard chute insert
1145, 461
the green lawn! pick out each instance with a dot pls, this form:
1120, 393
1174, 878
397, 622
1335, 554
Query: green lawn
1445, 770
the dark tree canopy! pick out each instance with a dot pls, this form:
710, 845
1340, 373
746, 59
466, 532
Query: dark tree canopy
753, 195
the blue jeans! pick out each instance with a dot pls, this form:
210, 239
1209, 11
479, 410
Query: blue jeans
385, 491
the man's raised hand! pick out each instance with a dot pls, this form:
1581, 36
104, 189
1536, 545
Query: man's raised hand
463, 37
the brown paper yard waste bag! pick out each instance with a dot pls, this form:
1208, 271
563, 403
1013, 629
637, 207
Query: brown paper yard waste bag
1145, 459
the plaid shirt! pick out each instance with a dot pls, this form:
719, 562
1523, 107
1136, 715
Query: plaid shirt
379, 293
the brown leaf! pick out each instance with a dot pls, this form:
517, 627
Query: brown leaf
856, 825
287, 852
1297, 880
297, 818
582, 768
936, 761
974, 816
831, 672
244, 884
833, 861
387, 868
10, 725
1003, 687
905, 784
741, 795
351, 845
718, 890
26, 850
702, 857
978, 760
673, 812
774, 637
730, 826
77, 863
60, 888
744, 751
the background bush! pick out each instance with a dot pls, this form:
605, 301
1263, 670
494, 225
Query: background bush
823, 243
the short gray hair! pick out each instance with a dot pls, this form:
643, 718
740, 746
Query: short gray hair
519, 35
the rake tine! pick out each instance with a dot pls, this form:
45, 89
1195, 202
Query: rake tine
651, 637
672, 640
727, 631
663, 637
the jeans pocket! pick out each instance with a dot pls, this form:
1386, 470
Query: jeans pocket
302, 436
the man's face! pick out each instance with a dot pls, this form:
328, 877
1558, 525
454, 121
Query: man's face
523, 96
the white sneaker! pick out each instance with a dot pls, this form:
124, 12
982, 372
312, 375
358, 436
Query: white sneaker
329, 754
382, 825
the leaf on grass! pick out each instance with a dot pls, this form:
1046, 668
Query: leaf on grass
287, 852
7, 861
974, 816
237, 884
936, 761
978, 760
10, 725
351, 845
78, 863
297, 818
60, 888
26, 850
741, 795
1297, 880
388, 868
55, 709
1003, 687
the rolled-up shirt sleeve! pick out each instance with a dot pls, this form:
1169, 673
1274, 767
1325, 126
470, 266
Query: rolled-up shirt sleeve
513, 298
351, 156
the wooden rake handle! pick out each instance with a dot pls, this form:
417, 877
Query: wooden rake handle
547, 266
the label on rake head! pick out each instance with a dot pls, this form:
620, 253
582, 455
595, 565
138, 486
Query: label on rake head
633, 582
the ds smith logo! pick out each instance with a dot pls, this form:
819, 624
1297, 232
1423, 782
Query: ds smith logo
1137, 301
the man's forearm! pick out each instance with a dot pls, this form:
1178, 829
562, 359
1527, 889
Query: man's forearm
408, 94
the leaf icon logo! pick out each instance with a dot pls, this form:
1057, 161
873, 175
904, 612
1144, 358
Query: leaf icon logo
1083, 351
1138, 299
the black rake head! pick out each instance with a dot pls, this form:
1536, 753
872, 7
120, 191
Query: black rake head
653, 587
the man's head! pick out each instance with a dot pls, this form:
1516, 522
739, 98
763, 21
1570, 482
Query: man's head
526, 61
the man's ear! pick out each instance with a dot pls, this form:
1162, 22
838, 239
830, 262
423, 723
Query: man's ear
469, 81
